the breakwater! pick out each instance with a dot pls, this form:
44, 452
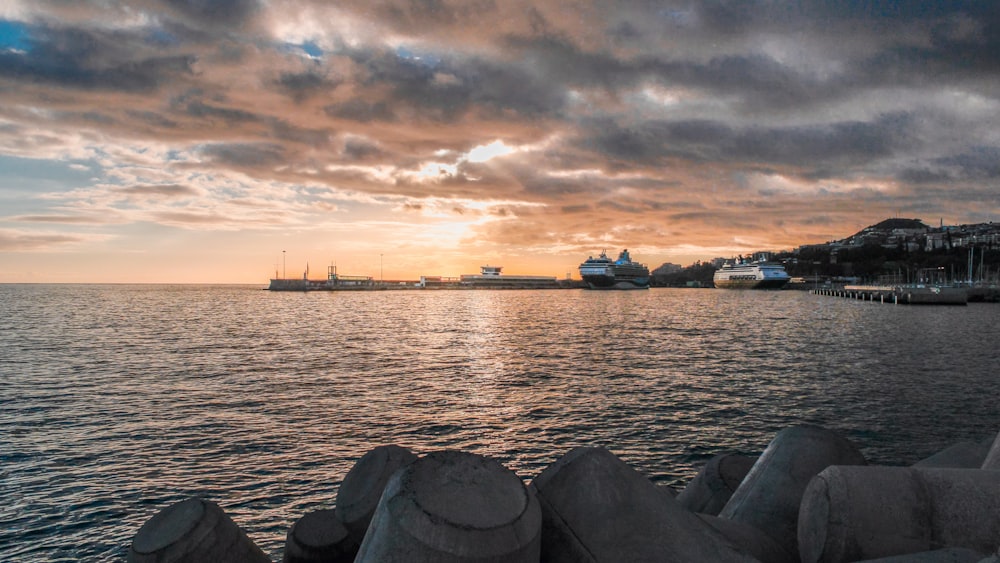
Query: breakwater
809, 497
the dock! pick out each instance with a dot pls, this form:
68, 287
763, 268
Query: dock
490, 278
900, 294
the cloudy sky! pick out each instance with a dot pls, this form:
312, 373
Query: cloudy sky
222, 140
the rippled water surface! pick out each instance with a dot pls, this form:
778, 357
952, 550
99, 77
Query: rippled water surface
118, 400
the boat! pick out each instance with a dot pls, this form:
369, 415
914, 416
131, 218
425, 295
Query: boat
744, 274
604, 273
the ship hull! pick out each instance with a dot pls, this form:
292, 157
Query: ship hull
607, 282
751, 284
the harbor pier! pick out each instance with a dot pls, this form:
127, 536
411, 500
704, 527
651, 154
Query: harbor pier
899, 294
490, 278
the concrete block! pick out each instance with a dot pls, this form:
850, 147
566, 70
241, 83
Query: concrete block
715, 483
667, 490
595, 508
945, 555
966, 455
362, 487
995, 558
857, 513
319, 537
455, 507
193, 531
768, 498
992, 460
750, 540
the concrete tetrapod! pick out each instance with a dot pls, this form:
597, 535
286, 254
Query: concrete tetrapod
946, 555
454, 507
768, 498
966, 455
995, 558
750, 540
362, 487
193, 531
856, 513
992, 460
715, 483
595, 508
319, 537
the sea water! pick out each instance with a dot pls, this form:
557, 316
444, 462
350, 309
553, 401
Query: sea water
119, 400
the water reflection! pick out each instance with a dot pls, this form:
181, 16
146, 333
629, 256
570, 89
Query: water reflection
117, 400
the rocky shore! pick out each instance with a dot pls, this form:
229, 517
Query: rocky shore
809, 497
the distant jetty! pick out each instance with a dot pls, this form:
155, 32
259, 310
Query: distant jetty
809, 497
900, 295
490, 277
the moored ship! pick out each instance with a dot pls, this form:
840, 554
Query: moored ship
604, 273
751, 275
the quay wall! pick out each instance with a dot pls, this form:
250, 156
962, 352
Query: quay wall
809, 497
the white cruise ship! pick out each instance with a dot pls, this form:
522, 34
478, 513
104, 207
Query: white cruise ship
751, 275
623, 273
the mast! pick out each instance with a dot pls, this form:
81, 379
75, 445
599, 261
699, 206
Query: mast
972, 253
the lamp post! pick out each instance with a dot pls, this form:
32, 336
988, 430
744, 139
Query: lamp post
381, 271
283, 264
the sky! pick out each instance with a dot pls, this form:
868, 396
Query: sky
229, 141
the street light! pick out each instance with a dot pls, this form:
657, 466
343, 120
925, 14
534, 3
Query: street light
381, 271
283, 265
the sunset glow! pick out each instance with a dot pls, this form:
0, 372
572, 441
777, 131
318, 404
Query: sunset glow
164, 141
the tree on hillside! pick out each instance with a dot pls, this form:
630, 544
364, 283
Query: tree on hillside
698, 272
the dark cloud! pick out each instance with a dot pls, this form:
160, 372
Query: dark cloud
303, 85
979, 163
285, 131
152, 118
956, 59
245, 154
759, 82
560, 59
93, 59
610, 204
643, 143
843, 144
448, 90
215, 13
360, 151
201, 110
724, 18
554, 188
422, 15
361, 111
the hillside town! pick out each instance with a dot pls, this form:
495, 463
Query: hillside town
903, 250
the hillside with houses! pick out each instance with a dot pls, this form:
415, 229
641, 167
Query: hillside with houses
898, 248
